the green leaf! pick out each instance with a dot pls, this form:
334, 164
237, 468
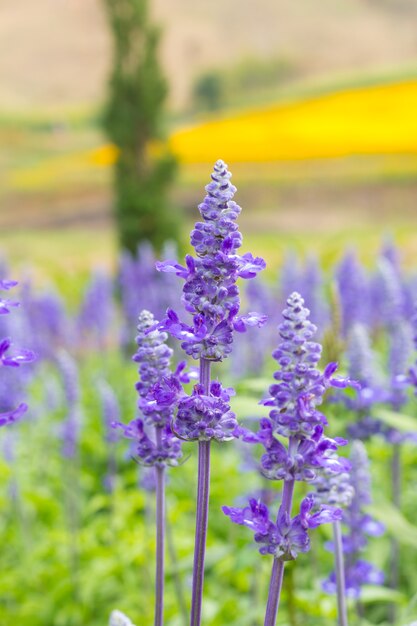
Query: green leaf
401, 422
395, 522
372, 593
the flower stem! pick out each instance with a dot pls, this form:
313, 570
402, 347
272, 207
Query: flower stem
277, 574
396, 499
340, 575
160, 538
203, 491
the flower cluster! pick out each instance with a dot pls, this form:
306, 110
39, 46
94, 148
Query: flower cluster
360, 525
97, 309
71, 426
200, 415
154, 358
412, 373
295, 398
210, 293
10, 357
288, 536
333, 489
363, 367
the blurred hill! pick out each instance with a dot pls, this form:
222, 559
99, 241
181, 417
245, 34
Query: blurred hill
56, 52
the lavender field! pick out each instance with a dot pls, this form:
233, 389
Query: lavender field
298, 386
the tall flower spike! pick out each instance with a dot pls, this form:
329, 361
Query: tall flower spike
10, 357
354, 293
155, 408
154, 443
71, 426
363, 367
210, 292
96, 310
294, 398
360, 525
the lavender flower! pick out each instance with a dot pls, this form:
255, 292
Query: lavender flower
140, 283
203, 416
155, 445
70, 429
336, 490
353, 288
360, 525
400, 338
46, 322
286, 537
250, 352
11, 358
294, 398
210, 292
363, 367
96, 311
412, 372
155, 407
387, 294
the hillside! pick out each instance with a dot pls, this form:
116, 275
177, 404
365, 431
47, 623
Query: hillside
56, 52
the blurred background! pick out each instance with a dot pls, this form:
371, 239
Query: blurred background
112, 114
312, 108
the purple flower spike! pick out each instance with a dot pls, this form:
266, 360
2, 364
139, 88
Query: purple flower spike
308, 454
11, 358
356, 495
159, 392
301, 386
354, 292
210, 292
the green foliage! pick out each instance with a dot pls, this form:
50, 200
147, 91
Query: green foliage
133, 120
219, 87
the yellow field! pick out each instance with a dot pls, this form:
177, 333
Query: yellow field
372, 120
377, 124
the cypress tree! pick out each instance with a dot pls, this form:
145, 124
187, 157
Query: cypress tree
133, 114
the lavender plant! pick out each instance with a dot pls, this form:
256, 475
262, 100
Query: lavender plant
97, 310
154, 443
11, 357
211, 296
141, 285
360, 525
363, 367
336, 490
299, 390
354, 292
